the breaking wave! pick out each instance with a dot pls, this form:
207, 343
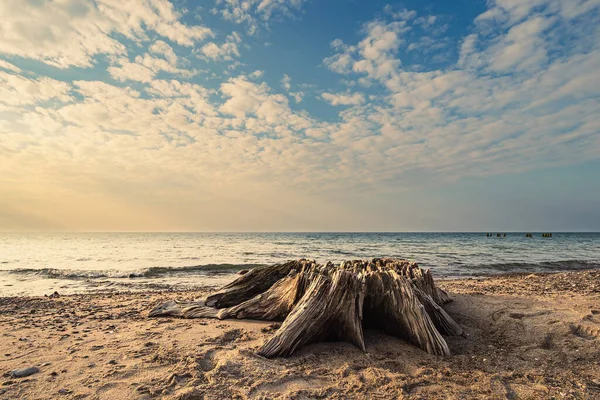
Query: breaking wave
455, 268
543, 266
152, 272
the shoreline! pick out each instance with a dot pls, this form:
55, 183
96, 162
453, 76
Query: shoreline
442, 280
186, 283
528, 336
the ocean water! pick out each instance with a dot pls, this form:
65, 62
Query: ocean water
40, 263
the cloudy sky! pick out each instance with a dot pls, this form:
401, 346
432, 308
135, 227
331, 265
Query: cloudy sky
299, 115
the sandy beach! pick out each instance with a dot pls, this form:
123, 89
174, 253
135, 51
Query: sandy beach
528, 337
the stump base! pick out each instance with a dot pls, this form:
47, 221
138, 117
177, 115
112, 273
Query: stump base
317, 301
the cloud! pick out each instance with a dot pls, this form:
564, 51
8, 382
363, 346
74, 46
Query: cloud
16, 90
375, 55
9, 67
381, 40
131, 71
256, 13
145, 68
163, 49
522, 47
344, 99
512, 11
226, 51
135, 19
70, 33
403, 14
248, 98
426, 22
468, 55
340, 63
286, 84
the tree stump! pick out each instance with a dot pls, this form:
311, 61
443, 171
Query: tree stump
322, 301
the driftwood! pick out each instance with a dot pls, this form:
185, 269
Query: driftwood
318, 302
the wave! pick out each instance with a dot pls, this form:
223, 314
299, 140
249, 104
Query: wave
548, 266
453, 268
206, 268
152, 272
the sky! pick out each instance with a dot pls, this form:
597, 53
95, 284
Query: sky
300, 115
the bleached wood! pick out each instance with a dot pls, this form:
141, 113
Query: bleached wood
318, 302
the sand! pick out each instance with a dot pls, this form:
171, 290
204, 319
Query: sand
529, 337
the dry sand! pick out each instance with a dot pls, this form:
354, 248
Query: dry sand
529, 337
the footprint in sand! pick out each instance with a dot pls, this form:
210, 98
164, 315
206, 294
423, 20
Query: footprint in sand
287, 385
585, 331
207, 362
592, 318
230, 336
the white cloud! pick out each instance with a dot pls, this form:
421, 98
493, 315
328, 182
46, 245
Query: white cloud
226, 51
340, 63
256, 13
9, 67
145, 68
574, 8
131, 17
381, 40
286, 84
16, 90
131, 71
248, 98
514, 11
426, 22
70, 33
344, 99
468, 56
162, 48
522, 47
403, 15
375, 55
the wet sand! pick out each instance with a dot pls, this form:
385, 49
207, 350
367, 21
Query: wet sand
528, 337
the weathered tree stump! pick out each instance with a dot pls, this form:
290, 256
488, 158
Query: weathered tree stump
317, 302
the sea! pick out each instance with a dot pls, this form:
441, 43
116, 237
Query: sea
41, 263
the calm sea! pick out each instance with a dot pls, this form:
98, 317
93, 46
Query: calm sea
37, 264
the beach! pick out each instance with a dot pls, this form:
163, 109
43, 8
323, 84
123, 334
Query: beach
528, 336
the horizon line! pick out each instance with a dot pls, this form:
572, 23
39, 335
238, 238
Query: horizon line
301, 231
